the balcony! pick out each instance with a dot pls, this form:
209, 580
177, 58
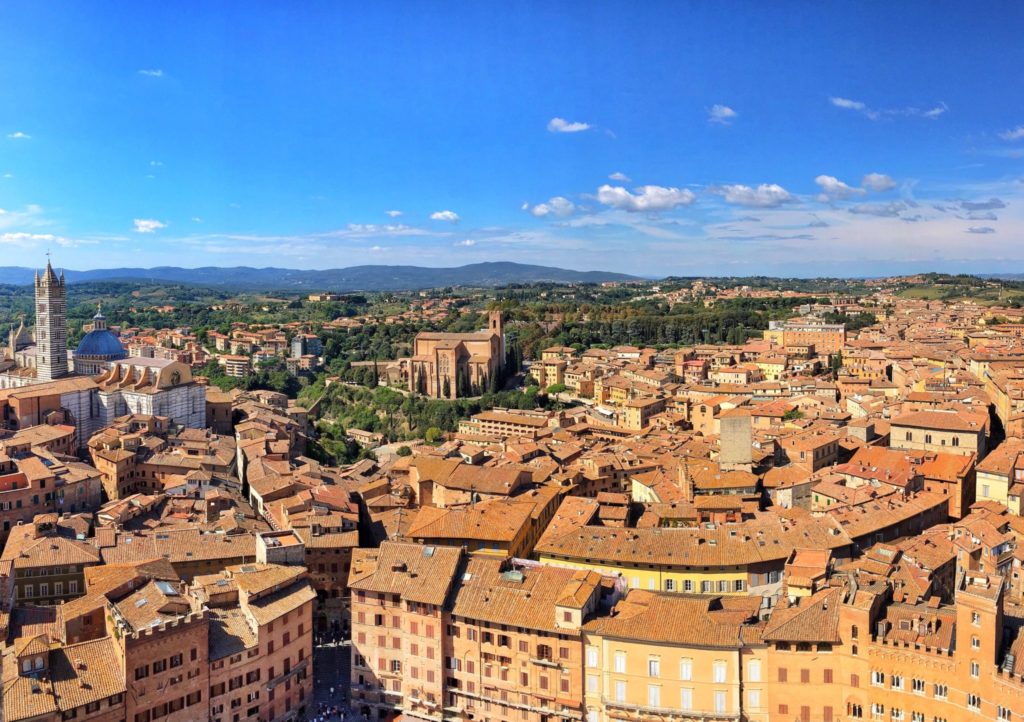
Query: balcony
544, 662
640, 712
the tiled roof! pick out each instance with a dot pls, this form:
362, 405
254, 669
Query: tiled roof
683, 619
807, 619
521, 598
419, 573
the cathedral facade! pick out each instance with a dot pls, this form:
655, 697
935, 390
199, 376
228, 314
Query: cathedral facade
104, 384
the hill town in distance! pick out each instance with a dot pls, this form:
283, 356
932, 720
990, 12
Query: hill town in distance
675, 499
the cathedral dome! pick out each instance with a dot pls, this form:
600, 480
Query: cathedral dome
102, 343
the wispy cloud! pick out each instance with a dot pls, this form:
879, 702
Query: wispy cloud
469, 242
148, 225
989, 205
882, 210
981, 229
393, 213
560, 125
867, 111
557, 206
18, 135
1013, 134
645, 198
620, 177
156, 163
766, 195
152, 72
721, 114
447, 216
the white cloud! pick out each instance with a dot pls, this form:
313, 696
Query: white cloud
722, 114
847, 104
620, 177
449, 216
645, 198
8, 175
876, 113
833, 189
557, 206
766, 195
148, 225
18, 135
376, 249
560, 125
878, 182
152, 73
466, 243
21, 238
393, 214
1013, 134
197, 219
156, 163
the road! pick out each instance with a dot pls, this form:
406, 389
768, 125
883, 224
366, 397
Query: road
332, 668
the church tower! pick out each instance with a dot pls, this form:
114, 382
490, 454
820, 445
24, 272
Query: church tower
51, 325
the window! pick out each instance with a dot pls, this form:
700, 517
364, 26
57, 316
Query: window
688, 585
653, 695
826, 676
973, 702
754, 698
941, 691
718, 671
878, 678
975, 669
975, 619
719, 701
620, 691
754, 670
686, 669
620, 662
670, 585
1003, 713
783, 674
592, 657
654, 667
897, 681
686, 698
591, 683
917, 685
975, 643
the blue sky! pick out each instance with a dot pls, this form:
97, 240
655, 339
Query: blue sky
657, 138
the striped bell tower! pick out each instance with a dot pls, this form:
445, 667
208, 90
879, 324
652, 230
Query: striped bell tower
51, 325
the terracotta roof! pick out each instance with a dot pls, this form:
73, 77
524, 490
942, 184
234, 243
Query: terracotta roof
683, 619
419, 573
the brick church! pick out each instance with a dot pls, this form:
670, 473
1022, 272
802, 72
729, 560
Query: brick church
454, 365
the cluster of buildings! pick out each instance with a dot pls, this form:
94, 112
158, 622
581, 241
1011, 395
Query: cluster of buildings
696, 534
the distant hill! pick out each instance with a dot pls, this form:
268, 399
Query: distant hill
355, 278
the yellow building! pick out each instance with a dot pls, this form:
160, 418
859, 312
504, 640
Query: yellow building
999, 471
666, 656
738, 558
